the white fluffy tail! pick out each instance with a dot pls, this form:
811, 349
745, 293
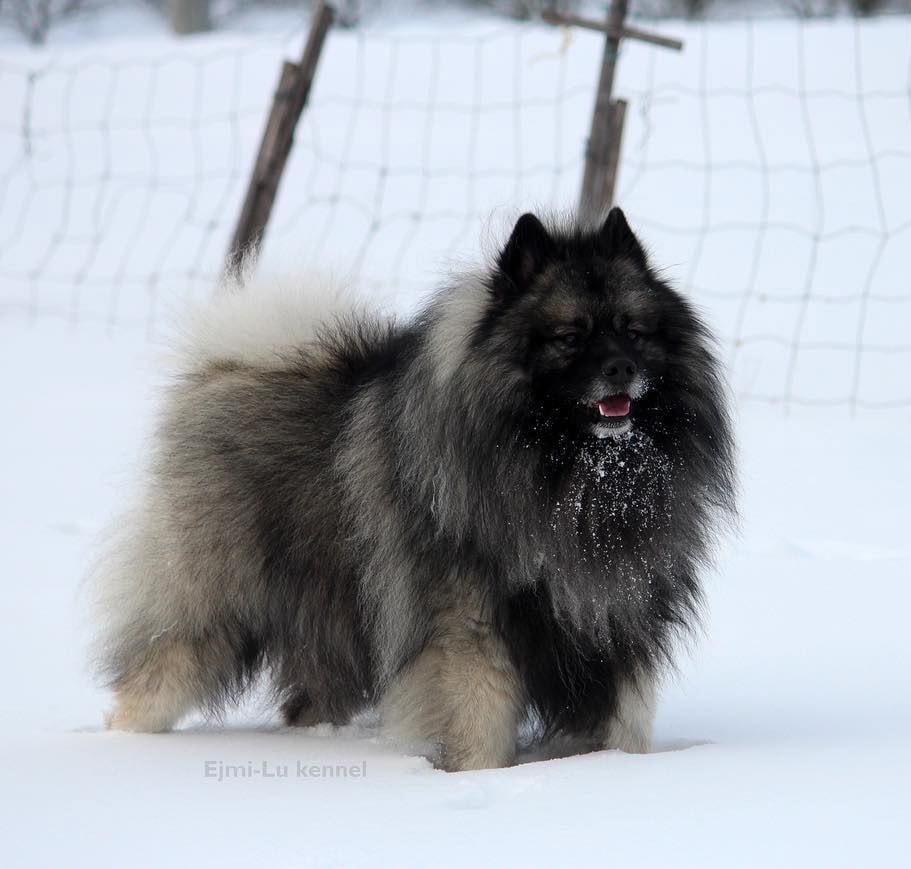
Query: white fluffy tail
262, 322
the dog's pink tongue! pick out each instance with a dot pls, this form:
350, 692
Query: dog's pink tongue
614, 405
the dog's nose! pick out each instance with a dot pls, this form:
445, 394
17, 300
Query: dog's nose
619, 367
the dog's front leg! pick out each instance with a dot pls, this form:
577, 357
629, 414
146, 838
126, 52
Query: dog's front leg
629, 727
461, 693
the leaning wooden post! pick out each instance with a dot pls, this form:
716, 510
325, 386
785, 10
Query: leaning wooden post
602, 151
278, 137
597, 192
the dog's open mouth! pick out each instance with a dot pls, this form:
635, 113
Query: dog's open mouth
614, 406
610, 416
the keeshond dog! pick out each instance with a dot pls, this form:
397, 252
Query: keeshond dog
486, 520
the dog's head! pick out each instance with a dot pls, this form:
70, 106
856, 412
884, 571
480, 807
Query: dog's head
603, 345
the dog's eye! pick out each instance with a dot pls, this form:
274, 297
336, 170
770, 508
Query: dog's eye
568, 339
633, 334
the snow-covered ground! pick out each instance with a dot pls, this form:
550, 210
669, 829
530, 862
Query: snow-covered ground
783, 740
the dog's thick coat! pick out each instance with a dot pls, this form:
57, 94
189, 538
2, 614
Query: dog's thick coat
444, 518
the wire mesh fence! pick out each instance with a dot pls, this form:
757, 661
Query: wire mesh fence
768, 168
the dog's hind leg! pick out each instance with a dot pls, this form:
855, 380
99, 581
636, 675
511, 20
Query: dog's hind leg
156, 691
299, 710
158, 682
462, 694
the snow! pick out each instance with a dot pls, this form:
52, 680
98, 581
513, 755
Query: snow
782, 740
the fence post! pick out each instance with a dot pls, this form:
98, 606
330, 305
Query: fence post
189, 16
602, 152
278, 137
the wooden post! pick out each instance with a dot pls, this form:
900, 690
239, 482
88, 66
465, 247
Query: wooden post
189, 16
278, 137
598, 181
601, 195
602, 151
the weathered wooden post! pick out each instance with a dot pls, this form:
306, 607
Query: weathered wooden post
602, 151
278, 137
189, 16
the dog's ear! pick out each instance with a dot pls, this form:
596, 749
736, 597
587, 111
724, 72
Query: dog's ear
527, 251
617, 239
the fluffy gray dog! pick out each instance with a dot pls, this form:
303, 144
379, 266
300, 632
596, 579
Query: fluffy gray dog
493, 514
